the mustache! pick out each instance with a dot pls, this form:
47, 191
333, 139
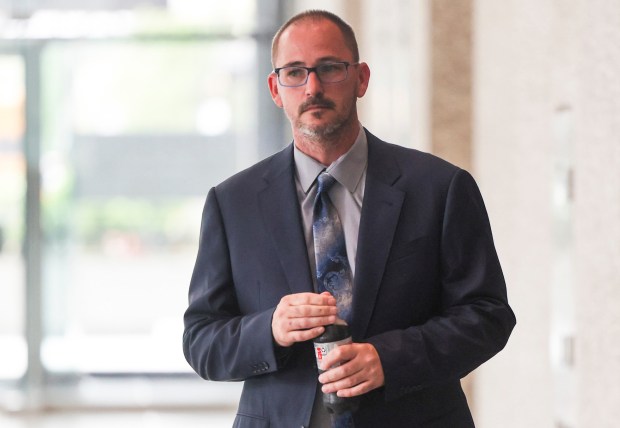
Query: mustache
316, 102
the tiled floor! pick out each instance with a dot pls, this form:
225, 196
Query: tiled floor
220, 418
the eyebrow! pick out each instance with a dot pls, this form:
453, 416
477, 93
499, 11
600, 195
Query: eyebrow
322, 60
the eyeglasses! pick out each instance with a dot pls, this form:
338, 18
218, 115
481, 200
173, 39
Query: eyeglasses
332, 72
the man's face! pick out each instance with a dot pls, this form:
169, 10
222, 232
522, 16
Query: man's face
317, 110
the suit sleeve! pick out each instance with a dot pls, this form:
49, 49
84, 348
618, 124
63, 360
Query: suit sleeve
474, 320
219, 342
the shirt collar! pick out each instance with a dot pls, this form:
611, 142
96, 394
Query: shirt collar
348, 169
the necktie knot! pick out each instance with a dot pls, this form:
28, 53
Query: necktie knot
326, 181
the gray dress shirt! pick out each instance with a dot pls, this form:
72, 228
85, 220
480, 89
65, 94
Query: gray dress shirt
346, 194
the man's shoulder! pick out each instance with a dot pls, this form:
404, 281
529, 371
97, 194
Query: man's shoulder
409, 160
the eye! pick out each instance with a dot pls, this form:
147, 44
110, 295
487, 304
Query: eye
294, 71
330, 68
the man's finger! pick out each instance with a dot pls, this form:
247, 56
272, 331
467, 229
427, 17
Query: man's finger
323, 299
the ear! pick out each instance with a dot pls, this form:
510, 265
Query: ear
363, 77
272, 80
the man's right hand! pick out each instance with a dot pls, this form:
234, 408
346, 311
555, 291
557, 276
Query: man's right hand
300, 317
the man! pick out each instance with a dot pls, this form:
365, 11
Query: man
428, 300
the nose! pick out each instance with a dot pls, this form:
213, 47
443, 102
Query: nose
313, 85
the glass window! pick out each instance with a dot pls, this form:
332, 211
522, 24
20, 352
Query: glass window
134, 135
12, 195
135, 110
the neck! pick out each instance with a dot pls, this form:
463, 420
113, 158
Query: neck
326, 149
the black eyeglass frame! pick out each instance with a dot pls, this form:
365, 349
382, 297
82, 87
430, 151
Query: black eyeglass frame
315, 70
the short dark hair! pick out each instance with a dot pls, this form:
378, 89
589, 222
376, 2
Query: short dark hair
317, 15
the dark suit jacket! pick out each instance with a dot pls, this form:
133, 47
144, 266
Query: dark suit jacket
429, 292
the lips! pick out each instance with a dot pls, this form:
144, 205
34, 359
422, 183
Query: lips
315, 106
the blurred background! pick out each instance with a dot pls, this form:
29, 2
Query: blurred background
116, 117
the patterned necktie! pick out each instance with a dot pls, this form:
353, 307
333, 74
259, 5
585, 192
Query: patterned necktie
333, 272
332, 265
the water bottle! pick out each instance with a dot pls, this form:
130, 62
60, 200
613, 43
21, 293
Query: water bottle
334, 336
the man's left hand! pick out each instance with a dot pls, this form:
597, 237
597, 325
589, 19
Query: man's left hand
359, 371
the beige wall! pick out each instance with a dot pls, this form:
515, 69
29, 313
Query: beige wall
450, 58
597, 213
547, 78
512, 162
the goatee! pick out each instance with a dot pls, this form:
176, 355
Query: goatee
325, 132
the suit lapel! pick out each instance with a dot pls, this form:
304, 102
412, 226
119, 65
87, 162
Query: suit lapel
282, 218
380, 213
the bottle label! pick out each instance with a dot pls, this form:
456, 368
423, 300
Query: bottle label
322, 349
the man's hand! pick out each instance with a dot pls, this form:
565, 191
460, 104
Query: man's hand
300, 317
359, 371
